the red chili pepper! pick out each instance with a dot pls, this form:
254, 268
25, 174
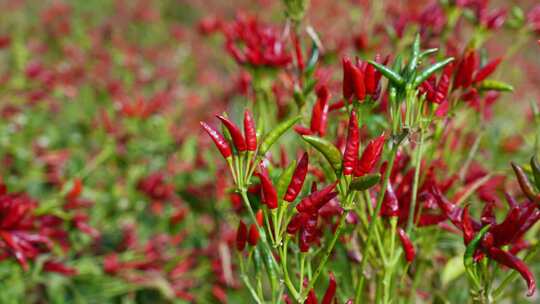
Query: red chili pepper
467, 226
236, 134
487, 70
311, 298
370, 156
390, 205
315, 200
513, 262
259, 216
241, 236
253, 237
319, 114
250, 132
298, 178
330, 291
348, 85
350, 156
370, 79
358, 81
268, 190
76, 190
298, 52
407, 245
218, 139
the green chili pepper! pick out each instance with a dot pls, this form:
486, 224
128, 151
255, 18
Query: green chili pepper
284, 179
392, 75
364, 182
495, 85
327, 149
312, 59
272, 136
415, 53
432, 69
468, 257
428, 52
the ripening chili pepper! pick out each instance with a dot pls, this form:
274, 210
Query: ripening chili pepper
330, 291
253, 237
407, 245
236, 134
241, 236
350, 155
487, 70
250, 132
370, 156
524, 184
219, 140
269, 192
297, 180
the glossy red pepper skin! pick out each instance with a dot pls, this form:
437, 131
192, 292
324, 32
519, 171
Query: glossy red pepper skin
259, 216
347, 87
487, 70
407, 245
298, 178
311, 298
315, 200
219, 140
467, 226
241, 236
350, 155
269, 191
250, 132
319, 113
253, 237
358, 81
370, 156
236, 134
330, 291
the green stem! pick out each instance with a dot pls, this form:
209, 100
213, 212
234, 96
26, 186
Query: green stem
324, 259
417, 164
372, 224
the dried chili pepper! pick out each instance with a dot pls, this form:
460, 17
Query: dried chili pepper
218, 139
513, 262
236, 134
524, 184
298, 178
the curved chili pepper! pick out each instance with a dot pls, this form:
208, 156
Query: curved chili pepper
350, 155
513, 262
330, 291
268, 190
407, 245
487, 70
253, 237
524, 184
218, 139
370, 156
316, 199
241, 236
250, 132
297, 180
236, 134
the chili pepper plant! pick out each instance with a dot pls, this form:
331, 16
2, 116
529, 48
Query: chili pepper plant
287, 151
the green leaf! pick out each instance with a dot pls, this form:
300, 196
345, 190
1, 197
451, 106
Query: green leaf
535, 167
284, 179
327, 149
428, 52
392, 75
495, 85
364, 182
432, 69
452, 270
271, 137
